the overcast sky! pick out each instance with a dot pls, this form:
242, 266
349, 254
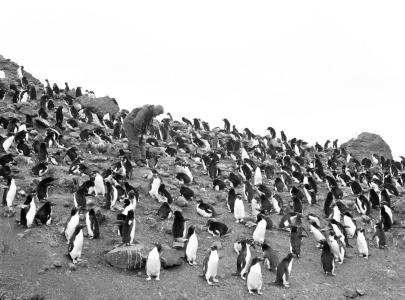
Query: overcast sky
316, 69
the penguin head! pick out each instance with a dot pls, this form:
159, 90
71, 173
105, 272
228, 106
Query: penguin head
158, 247
289, 257
92, 212
178, 216
214, 248
191, 231
130, 214
265, 247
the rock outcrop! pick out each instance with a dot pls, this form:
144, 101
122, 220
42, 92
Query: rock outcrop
100, 106
367, 144
10, 69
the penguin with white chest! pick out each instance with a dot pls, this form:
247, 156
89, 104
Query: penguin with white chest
270, 257
244, 259
254, 278
76, 244
93, 230
192, 246
204, 209
128, 229
362, 243
153, 263
210, 266
284, 269
336, 247
154, 185
259, 233
72, 223
28, 211
9, 193
99, 187
316, 231
239, 209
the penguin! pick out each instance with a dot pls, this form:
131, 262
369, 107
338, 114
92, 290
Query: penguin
284, 269
154, 185
59, 115
42, 153
99, 187
153, 263
244, 259
356, 188
44, 214
379, 235
340, 232
386, 217
93, 230
310, 194
362, 243
327, 259
179, 225
28, 211
192, 246
234, 179
374, 199
164, 195
7, 142
255, 206
316, 231
187, 193
270, 257
277, 203
254, 279
239, 209
258, 177
79, 198
128, 229
278, 185
9, 193
218, 184
336, 247
210, 266
295, 241
43, 187
362, 205
71, 223
260, 231
111, 196
76, 244
164, 211
217, 228
349, 225
204, 209
230, 201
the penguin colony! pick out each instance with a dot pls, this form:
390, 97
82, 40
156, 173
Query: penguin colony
356, 211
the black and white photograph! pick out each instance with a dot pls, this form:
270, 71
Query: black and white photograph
202, 149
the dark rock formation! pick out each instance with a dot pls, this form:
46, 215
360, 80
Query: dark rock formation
367, 144
101, 105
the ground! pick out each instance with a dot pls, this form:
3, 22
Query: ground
28, 256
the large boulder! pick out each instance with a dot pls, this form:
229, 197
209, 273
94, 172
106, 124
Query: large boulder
127, 257
367, 144
10, 69
101, 105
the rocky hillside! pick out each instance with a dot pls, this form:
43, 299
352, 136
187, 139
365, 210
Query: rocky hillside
286, 182
367, 144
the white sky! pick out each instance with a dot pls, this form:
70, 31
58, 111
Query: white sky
315, 69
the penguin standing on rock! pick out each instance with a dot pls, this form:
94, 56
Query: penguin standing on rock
254, 278
76, 244
192, 246
153, 263
284, 271
128, 229
92, 224
210, 266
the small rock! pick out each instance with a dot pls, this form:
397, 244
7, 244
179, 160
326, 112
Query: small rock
181, 201
20, 235
72, 267
41, 272
83, 264
392, 275
360, 292
218, 244
57, 264
184, 296
350, 293
2, 247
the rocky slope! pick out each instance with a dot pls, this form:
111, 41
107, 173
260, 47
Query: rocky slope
367, 144
33, 260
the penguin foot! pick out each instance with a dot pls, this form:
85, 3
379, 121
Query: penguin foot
250, 291
260, 292
157, 278
209, 282
287, 284
215, 279
148, 278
